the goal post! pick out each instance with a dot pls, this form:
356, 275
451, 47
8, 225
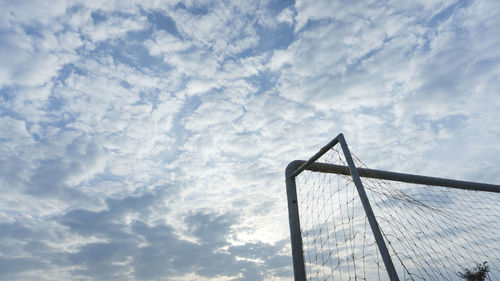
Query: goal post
335, 231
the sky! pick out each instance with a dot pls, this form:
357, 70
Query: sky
147, 140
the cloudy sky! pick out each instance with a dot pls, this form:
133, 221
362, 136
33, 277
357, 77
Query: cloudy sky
147, 140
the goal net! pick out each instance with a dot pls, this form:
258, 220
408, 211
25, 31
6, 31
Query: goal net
430, 232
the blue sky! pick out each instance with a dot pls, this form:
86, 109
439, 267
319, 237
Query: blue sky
147, 140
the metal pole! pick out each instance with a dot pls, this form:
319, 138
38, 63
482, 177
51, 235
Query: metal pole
299, 271
368, 210
401, 177
315, 157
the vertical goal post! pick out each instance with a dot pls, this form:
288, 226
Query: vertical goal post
354, 174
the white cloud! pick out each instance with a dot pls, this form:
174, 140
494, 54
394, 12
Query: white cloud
286, 16
226, 27
14, 133
209, 114
164, 43
279, 59
114, 28
30, 12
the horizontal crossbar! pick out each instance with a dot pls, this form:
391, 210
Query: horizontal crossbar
393, 176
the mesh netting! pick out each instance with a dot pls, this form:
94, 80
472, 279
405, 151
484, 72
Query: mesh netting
433, 233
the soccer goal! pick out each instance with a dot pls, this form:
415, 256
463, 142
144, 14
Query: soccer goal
348, 222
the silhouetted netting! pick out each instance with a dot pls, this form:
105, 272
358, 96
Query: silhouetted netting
432, 232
